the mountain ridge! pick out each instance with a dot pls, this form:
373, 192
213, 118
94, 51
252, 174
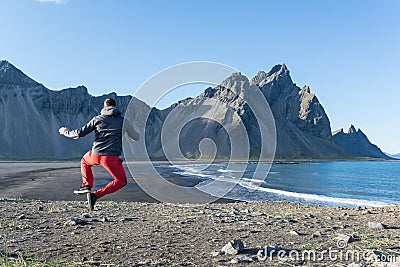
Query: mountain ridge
356, 138
302, 126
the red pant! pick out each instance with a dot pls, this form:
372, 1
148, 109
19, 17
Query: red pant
112, 164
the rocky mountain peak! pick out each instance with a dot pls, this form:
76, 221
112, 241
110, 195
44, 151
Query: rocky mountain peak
352, 130
279, 69
237, 83
9, 74
279, 73
4, 64
6, 68
306, 89
357, 143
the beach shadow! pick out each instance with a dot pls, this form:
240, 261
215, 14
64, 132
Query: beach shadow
392, 227
252, 251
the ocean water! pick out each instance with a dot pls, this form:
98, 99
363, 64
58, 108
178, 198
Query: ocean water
351, 184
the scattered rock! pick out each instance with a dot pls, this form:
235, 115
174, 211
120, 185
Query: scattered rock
365, 212
316, 234
76, 221
233, 247
234, 213
40, 208
376, 225
216, 253
85, 215
257, 213
21, 217
294, 232
127, 219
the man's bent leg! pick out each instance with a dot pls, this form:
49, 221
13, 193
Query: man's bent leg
113, 165
87, 162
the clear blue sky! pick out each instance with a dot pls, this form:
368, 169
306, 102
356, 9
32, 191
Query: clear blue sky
347, 51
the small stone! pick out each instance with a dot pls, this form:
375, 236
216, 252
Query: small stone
21, 217
293, 232
40, 208
127, 219
376, 225
316, 234
365, 212
76, 221
53, 249
85, 215
233, 247
215, 253
104, 219
257, 213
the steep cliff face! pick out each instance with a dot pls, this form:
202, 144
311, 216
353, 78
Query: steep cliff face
31, 114
219, 114
303, 128
357, 143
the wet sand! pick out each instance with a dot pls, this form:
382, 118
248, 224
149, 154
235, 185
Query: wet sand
58, 180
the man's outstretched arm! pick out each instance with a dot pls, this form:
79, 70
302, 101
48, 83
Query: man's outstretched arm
81, 132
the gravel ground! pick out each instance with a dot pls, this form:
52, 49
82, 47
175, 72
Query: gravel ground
65, 233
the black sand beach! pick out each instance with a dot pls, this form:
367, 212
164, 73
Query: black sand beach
44, 224
58, 180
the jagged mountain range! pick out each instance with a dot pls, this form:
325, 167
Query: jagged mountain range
30, 115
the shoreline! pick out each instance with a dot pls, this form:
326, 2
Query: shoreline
58, 180
58, 183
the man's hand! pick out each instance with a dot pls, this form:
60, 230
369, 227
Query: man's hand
62, 130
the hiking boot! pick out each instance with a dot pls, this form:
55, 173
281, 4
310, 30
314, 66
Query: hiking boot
91, 198
83, 190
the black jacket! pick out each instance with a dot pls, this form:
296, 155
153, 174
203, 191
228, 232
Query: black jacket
108, 129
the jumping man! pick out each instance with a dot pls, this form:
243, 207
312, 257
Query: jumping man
105, 151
